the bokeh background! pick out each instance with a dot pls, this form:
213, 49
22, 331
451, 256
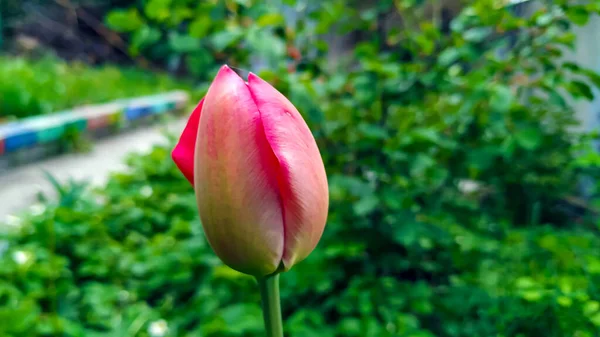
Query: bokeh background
458, 137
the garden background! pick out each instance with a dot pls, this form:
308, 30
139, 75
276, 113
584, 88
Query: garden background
463, 186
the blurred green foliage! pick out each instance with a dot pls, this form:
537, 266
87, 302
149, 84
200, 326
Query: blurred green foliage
411, 117
117, 261
198, 36
29, 88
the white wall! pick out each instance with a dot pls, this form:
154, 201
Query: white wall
587, 54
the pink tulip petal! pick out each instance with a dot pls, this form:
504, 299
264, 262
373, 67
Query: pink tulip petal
235, 177
183, 153
303, 182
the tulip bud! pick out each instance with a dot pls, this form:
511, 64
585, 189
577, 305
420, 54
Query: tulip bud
259, 179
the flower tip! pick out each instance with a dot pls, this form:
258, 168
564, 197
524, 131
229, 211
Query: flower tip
252, 77
225, 69
227, 74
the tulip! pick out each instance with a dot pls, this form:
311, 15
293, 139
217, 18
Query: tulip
259, 179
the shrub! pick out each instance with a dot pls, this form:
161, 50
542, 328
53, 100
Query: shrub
407, 251
427, 110
114, 261
198, 37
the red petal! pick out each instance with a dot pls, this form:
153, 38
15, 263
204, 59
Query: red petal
302, 178
183, 153
235, 176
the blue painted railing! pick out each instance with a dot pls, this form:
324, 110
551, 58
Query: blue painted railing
37, 130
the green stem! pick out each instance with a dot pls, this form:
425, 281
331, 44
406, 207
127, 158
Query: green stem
269, 292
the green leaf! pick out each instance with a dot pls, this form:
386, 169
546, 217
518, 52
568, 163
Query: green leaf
529, 138
124, 21
200, 27
482, 158
448, 56
477, 34
407, 233
557, 99
242, 318
372, 131
578, 14
366, 205
223, 39
337, 82
199, 62
270, 19
502, 99
421, 163
266, 45
595, 319
591, 307
369, 14
580, 89
544, 19
567, 39
179, 15
158, 10
184, 43
593, 266
144, 37
593, 77
564, 301
525, 282
532, 295
350, 326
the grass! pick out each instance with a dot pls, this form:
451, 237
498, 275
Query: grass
35, 87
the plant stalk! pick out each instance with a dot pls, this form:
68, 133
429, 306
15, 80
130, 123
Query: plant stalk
271, 306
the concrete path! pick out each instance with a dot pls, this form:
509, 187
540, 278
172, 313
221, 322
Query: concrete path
20, 186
